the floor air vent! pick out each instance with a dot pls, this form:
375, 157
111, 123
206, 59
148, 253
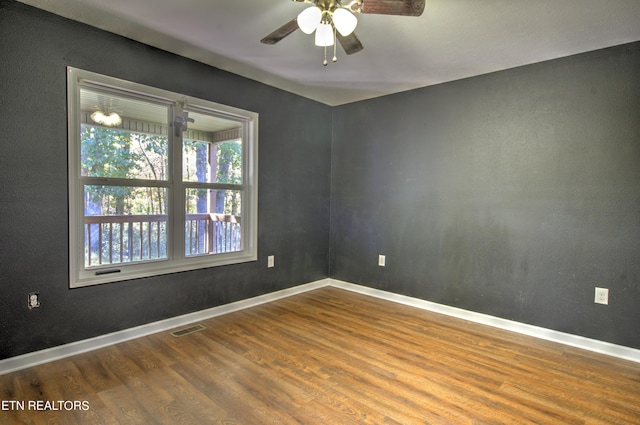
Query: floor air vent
186, 331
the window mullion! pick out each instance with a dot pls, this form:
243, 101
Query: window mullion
123, 182
177, 190
214, 186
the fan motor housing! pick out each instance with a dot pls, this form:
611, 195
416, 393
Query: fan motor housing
329, 5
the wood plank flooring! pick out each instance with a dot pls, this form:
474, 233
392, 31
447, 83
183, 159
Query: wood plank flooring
330, 356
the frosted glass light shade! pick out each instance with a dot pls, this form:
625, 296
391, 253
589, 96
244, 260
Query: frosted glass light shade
309, 19
344, 21
104, 119
324, 35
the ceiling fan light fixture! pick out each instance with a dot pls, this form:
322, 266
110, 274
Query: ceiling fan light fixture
309, 19
324, 35
330, 17
344, 21
107, 119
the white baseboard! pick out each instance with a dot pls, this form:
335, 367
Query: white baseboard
602, 347
55, 353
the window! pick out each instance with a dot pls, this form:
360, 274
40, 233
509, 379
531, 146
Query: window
158, 182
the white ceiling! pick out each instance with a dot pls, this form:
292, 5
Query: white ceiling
453, 39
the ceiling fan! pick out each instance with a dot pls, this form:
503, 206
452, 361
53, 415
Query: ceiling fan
332, 19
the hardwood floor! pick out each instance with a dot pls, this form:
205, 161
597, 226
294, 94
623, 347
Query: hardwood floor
329, 356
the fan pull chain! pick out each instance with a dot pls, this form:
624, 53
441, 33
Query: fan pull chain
335, 57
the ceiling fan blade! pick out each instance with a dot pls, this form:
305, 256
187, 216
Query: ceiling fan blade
281, 32
351, 44
391, 7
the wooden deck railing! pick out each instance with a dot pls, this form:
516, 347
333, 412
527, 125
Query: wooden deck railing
212, 233
130, 238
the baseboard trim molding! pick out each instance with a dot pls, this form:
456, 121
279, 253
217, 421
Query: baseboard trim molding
597, 346
55, 353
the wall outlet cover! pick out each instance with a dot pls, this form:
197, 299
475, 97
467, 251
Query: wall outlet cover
34, 300
602, 296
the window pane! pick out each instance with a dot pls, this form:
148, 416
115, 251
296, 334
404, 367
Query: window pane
213, 223
124, 224
133, 146
212, 150
113, 153
212, 162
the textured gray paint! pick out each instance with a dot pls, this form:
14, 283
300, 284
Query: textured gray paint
294, 162
512, 194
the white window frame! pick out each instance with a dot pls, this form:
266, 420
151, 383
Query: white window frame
177, 261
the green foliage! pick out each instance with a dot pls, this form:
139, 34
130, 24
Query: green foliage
229, 171
230, 162
106, 153
119, 154
197, 167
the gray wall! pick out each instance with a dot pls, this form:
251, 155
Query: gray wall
513, 194
294, 179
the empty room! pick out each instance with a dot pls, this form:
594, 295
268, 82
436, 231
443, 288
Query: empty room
241, 212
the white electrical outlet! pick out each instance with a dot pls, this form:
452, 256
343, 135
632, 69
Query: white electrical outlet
271, 261
381, 260
34, 300
602, 296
